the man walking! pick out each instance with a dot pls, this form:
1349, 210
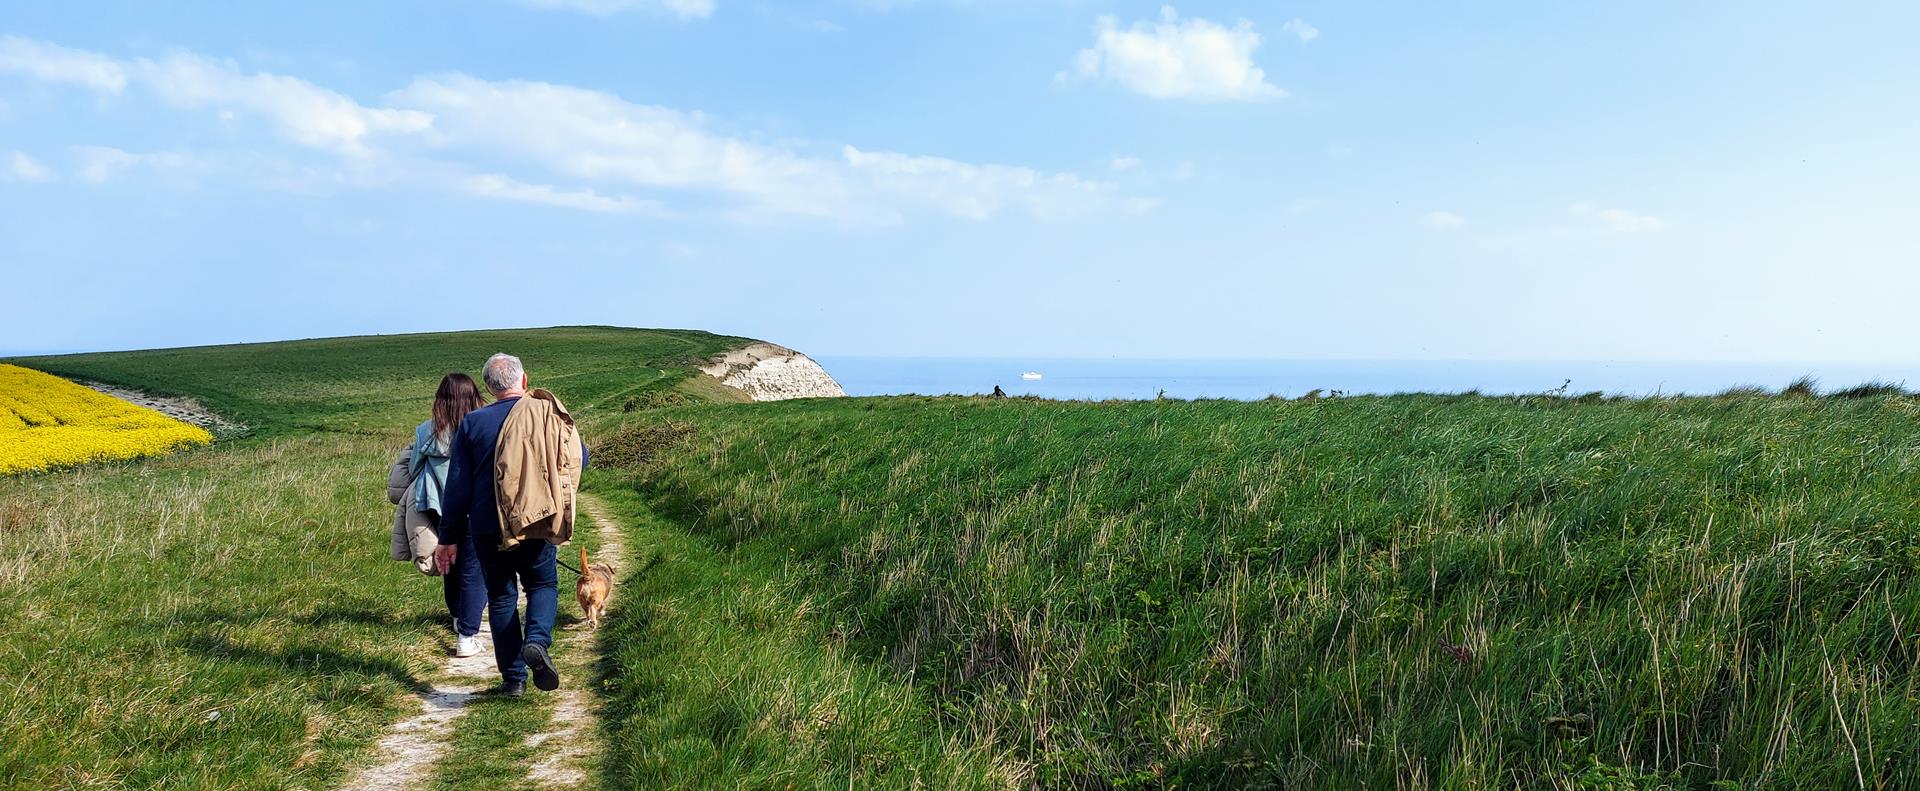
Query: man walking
515, 465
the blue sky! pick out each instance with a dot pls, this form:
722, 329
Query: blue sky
1731, 181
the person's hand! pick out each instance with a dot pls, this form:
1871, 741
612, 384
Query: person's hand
444, 555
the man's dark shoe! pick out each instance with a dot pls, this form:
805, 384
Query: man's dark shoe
544, 676
511, 689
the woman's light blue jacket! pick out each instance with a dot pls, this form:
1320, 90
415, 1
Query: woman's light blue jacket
428, 483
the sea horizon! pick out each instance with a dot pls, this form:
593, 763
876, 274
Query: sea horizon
1102, 378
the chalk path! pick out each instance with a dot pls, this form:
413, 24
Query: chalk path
571, 741
565, 748
413, 745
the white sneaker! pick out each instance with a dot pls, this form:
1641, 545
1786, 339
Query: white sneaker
468, 646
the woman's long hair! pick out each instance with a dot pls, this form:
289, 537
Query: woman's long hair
457, 396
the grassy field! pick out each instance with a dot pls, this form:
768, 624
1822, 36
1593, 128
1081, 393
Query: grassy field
1404, 592
227, 617
373, 384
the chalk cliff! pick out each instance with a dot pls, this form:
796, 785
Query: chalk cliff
766, 372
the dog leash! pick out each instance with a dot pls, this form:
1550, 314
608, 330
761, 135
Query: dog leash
563, 564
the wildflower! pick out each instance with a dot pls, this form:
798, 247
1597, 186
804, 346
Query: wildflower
48, 422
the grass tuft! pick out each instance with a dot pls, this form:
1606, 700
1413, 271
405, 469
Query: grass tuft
1803, 387
1870, 390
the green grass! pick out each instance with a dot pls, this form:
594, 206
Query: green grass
376, 383
227, 617
724, 676
1415, 591
193, 621
490, 743
1453, 592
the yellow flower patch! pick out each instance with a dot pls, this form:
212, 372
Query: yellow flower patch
47, 422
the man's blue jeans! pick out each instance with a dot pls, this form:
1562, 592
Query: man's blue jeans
531, 565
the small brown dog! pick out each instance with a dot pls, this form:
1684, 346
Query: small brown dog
595, 589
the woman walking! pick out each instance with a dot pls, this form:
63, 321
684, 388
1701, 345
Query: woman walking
425, 468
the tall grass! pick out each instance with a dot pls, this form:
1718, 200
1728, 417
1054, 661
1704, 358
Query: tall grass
722, 675
211, 620
227, 617
1414, 591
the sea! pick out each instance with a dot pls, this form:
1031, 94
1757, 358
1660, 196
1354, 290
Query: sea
1118, 378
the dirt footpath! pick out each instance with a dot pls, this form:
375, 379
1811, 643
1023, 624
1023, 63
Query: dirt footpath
566, 749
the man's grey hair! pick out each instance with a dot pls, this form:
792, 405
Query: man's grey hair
502, 373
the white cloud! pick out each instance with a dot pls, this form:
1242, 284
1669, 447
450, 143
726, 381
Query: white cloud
786, 18
1443, 221
1124, 163
497, 186
597, 136
53, 63
1618, 220
21, 167
977, 191
593, 135
564, 146
812, 25
100, 164
306, 113
684, 9
1176, 59
1301, 28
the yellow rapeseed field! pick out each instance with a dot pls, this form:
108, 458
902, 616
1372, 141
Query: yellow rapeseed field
46, 421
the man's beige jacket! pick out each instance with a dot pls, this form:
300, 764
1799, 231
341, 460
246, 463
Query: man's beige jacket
536, 471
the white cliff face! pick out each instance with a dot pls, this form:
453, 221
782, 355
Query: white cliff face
766, 372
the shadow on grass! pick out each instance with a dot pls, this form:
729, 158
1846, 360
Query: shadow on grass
365, 617
303, 658
322, 617
207, 633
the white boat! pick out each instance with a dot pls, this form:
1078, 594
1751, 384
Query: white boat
1030, 376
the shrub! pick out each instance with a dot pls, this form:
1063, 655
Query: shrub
634, 444
655, 399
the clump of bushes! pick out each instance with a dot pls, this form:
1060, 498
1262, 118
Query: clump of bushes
655, 399
634, 444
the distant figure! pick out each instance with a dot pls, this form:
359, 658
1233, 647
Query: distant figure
515, 469
999, 393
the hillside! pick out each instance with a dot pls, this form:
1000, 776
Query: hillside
1407, 591
1413, 591
227, 617
376, 383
